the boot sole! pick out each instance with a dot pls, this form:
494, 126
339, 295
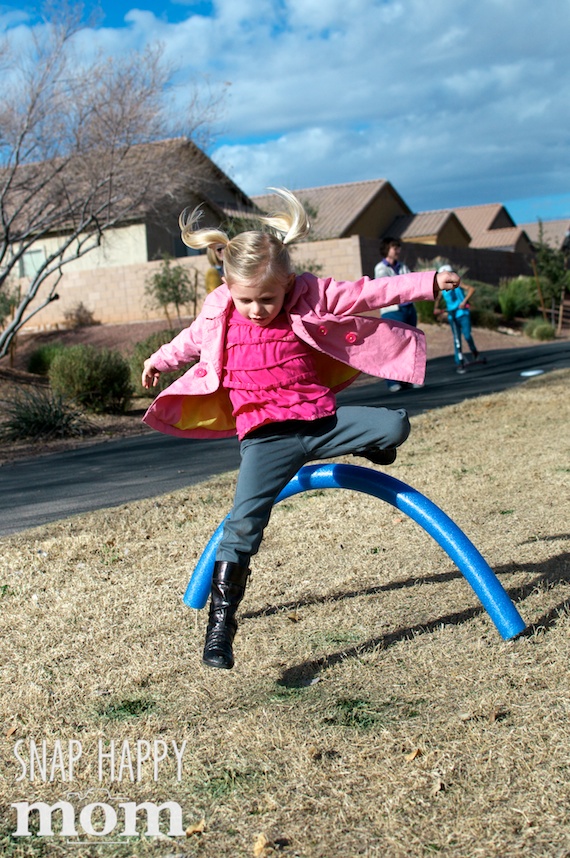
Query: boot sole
218, 664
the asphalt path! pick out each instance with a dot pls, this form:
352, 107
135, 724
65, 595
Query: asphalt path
54, 486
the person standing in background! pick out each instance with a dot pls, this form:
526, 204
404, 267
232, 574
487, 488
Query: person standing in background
215, 271
459, 317
390, 266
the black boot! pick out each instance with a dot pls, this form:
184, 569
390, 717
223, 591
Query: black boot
378, 456
228, 587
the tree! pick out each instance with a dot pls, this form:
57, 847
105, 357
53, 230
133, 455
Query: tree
78, 154
171, 284
552, 269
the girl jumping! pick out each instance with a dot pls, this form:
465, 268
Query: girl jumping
269, 351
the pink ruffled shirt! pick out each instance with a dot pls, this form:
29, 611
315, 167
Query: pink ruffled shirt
270, 375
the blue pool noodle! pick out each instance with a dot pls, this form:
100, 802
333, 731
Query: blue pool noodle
447, 534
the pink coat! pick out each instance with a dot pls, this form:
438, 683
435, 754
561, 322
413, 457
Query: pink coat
323, 313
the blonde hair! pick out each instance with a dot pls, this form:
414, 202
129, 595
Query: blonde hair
247, 253
212, 256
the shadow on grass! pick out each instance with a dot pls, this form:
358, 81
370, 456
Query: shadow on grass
441, 578
554, 571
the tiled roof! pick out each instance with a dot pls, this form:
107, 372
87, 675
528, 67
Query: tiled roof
498, 239
177, 170
337, 206
553, 231
479, 222
477, 219
408, 227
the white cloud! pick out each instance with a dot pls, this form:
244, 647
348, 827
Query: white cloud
454, 102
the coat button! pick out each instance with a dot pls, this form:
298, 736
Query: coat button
350, 337
323, 330
200, 372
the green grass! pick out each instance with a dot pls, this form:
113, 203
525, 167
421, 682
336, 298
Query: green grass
123, 710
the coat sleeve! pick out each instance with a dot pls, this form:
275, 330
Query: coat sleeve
184, 349
342, 298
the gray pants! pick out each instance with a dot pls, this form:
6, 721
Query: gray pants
271, 456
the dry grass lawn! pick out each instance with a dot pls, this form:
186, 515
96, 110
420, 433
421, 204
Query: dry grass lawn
374, 710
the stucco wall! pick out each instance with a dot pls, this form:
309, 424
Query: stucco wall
125, 245
339, 258
113, 295
116, 294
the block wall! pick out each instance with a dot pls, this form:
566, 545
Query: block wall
116, 295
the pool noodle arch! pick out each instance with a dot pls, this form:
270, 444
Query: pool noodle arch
424, 512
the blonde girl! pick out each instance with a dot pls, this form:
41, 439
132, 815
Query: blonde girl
269, 350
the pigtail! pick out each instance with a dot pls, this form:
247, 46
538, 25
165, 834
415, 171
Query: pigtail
292, 224
199, 238
252, 251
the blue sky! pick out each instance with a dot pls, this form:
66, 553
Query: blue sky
455, 103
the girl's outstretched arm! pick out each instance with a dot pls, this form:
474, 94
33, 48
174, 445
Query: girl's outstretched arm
349, 298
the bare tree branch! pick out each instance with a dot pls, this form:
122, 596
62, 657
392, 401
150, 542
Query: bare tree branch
80, 152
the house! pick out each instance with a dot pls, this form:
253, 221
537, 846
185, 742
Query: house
492, 228
154, 183
349, 221
181, 175
374, 209
554, 232
355, 208
188, 178
484, 227
437, 227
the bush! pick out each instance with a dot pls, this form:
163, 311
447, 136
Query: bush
171, 284
424, 310
38, 413
41, 359
518, 297
486, 297
484, 319
141, 351
538, 329
8, 301
79, 316
97, 379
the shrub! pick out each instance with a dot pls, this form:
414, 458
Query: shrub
8, 301
538, 329
518, 297
79, 316
41, 358
486, 297
38, 413
141, 351
97, 379
484, 319
424, 310
171, 284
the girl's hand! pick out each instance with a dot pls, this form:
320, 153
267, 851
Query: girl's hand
150, 375
446, 280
